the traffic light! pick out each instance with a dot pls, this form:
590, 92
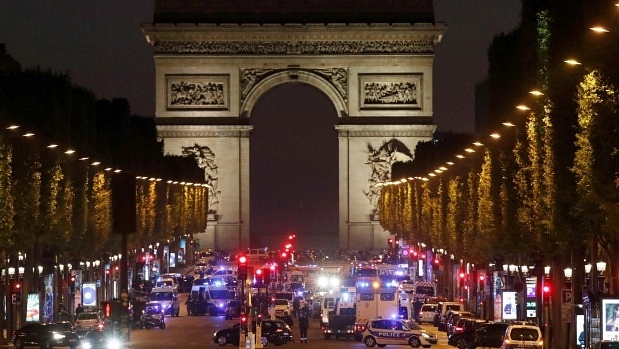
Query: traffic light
482, 282
72, 283
390, 242
461, 277
259, 277
546, 292
266, 275
244, 323
242, 267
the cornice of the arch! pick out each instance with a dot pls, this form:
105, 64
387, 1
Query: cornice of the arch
294, 39
198, 131
331, 81
385, 130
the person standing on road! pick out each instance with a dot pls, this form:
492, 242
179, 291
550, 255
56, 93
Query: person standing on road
303, 323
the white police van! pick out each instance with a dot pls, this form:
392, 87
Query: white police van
167, 296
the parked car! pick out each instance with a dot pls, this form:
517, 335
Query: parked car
522, 336
440, 316
273, 331
426, 314
46, 335
478, 334
383, 332
453, 318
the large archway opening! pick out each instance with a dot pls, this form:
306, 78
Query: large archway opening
291, 192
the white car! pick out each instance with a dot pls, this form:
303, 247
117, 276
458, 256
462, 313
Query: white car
281, 307
522, 336
426, 313
383, 332
89, 321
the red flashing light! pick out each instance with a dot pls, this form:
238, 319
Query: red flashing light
462, 275
546, 289
242, 259
18, 285
437, 261
258, 271
284, 255
272, 268
482, 277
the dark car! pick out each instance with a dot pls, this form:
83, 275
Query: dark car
452, 320
100, 339
273, 331
477, 334
55, 334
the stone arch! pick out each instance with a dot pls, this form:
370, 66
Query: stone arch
290, 75
215, 60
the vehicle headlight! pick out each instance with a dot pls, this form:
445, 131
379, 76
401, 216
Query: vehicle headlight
426, 335
114, 343
86, 345
58, 336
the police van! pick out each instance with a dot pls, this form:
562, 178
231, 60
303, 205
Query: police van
167, 296
216, 297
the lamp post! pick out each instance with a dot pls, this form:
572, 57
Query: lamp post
601, 267
546, 307
567, 272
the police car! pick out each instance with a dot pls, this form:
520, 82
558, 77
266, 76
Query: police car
383, 332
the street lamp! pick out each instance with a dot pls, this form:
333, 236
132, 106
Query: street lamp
568, 277
601, 267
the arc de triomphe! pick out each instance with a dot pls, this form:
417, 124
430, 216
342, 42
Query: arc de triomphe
215, 59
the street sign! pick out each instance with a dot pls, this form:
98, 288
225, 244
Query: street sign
566, 296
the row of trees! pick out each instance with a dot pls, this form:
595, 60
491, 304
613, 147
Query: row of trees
57, 207
550, 186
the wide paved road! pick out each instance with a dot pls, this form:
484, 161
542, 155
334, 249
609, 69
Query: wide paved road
197, 332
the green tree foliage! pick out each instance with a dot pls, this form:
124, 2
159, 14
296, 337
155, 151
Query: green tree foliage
596, 163
55, 204
7, 210
550, 188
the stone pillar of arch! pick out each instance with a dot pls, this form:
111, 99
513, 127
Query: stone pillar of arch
210, 75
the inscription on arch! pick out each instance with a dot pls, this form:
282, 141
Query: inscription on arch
294, 47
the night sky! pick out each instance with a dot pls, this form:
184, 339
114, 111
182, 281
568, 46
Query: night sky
294, 145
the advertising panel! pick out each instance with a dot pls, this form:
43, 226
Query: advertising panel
580, 330
509, 310
610, 319
89, 294
32, 307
